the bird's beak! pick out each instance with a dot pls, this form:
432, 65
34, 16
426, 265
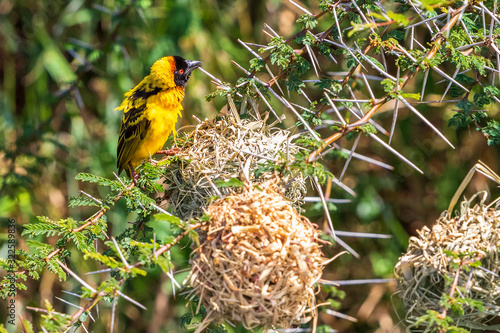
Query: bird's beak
192, 65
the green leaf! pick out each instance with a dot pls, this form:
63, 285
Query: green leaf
281, 53
460, 120
398, 18
164, 263
169, 219
42, 248
396, 34
106, 260
368, 129
411, 95
307, 21
82, 242
388, 85
81, 200
376, 62
482, 98
330, 84
351, 62
294, 83
256, 64
45, 227
137, 271
492, 132
88, 177
233, 182
54, 267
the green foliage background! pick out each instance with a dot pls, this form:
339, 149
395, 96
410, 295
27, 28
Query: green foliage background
64, 67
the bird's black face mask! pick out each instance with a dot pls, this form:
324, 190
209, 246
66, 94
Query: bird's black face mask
183, 70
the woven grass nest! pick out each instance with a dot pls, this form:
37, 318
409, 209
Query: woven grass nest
257, 262
222, 149
422, 272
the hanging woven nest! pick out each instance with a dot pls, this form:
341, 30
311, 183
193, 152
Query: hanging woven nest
257, 262
219, 150
429, 267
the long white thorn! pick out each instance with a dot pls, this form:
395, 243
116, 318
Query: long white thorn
335, 108
271, 29
492, 21
263, 98
301, 8
395, 152
255, 54
76, 306
354, 145
361, 234
368, 86
484, 23
73, 274
427, 20
426, 121
364, 158
274, 79
449, 78
311, 55
493, 16
288, 105
378, 69
122, 257
394, 119
344, 187
325, 206
113, 311
466, 31
333, 201
412, 36
131, 300
449, 84
330, 224
354, 282
423, 85
341, 315
338, 25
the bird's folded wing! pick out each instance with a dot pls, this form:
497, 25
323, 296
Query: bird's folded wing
132, 132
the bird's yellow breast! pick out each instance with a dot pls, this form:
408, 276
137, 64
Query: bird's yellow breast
162, 111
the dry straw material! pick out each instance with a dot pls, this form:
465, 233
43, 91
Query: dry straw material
428, 268
222, 149
258, 261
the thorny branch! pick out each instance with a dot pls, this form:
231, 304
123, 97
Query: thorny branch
99, 295
439, 38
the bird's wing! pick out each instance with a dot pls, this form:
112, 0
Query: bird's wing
132, 132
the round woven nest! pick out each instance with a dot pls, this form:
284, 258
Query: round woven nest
223, 149
257, 262
429, 267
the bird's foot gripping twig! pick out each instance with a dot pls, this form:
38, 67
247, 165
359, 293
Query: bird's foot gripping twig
169, 152
135, 176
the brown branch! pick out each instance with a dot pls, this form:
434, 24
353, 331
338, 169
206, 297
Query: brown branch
354, 68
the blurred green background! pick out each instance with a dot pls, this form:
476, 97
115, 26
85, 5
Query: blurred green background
64, 67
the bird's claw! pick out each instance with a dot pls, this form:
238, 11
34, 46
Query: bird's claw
169, 152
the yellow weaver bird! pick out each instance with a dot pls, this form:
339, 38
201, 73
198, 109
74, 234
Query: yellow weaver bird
150, 112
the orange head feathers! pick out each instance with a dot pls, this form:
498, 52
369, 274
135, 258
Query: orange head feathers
173, 71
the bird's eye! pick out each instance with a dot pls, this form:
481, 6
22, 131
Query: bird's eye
181, 71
